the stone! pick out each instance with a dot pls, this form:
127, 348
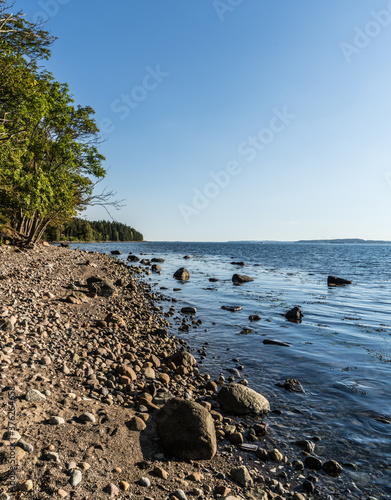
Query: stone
12, 435
313, 463
182, 274
293, 385
238, 263
76, 478
241, 278
52, 456
254, 317
241, 400
56, 420
35, 396
102, 287
137, 424
26, 486
62, 493
188, 310
183, 358
160, 472
232, 308
6, 325
144, 481
149, 373
242, 476
187, 430
124, 485
29, 448
295, 315
127, 371
112, 490
332, 468
157, 259
133, 258
156, 268
116, 252
335, 281
276, 342
275, 455
306, 445
87, 417
115, 319
180, 494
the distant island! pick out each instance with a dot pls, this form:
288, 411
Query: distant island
343, 241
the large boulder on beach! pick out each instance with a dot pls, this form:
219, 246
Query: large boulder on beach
182, 274
101, 286
241, 278
187, 430
335, 281
241, 400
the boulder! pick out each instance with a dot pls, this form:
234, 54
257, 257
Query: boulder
238, 263
254, 317
186, 257
183, 358
115, 319
295, 315
241, 278
335, 281
116, 252
182, 274
101, 286
187, 430
156, 259
241, 400
232, 308
132, 258
156, 268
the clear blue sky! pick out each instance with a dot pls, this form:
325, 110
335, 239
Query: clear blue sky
231, 120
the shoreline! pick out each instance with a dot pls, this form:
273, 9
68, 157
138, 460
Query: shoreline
89, 374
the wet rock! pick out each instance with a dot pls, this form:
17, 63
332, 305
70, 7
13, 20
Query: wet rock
313, 463
241, 400
232, 308
182, 274
241, 278
335, 281
188, 310
238, 263
242, 476
332, 468
275, 455
275, 342
156, 268
308, 486
292, 385
254, 317
133, 258
295, 315
116, 252
157, 259
187, 430
213, 280
306, 445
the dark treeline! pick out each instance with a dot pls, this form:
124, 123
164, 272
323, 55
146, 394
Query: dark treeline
83, 230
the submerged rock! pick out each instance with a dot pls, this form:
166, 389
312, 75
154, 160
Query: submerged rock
241, 278
182, 274
295, 315
232, 308
335, 281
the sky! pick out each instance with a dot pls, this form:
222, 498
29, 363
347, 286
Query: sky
234, 119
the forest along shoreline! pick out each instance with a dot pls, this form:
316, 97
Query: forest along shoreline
100, 401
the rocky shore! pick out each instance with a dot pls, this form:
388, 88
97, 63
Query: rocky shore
99, 400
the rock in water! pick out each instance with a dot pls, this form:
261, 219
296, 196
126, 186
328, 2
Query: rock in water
335, 281
241, 400
187, 430
241, 278
295, 315
182, 274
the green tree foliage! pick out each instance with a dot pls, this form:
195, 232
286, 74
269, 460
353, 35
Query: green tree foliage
49, 161
83, 230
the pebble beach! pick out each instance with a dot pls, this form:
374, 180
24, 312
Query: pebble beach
100, 400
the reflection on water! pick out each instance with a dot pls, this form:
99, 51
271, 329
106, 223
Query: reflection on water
341, 352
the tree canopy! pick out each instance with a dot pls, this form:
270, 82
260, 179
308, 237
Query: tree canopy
49, 158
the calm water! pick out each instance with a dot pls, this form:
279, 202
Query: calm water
341, 352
